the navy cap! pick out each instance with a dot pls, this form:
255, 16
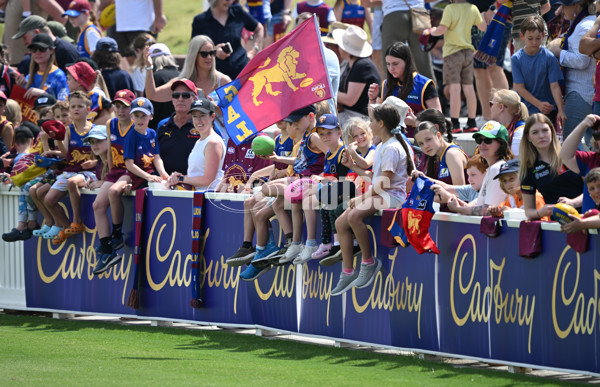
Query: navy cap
202, 105
328, 121
511, 166
44, 100
107, 44
143, 105
298, 114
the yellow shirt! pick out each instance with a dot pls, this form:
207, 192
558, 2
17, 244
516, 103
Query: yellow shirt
459, 18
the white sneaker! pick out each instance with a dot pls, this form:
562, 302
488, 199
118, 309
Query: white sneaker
306, 255
292, 252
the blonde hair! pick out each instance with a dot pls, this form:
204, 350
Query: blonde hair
33, 68
322, 107
354, 123
189, 66
528, 154
12, 112
512, 101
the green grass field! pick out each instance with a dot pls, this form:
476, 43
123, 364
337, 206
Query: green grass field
43, 351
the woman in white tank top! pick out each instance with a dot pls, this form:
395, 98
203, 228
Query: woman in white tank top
205, 162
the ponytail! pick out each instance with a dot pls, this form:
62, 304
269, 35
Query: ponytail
102, 84
410, 163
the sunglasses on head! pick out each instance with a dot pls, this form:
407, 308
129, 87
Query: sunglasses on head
185, 95
205, 54
480, 139
40, 49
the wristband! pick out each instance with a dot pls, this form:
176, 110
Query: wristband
147, 68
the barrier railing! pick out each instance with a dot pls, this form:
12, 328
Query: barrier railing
478, 299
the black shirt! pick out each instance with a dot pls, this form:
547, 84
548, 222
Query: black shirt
206, 24
362, 71
551, 185
163, 110
116, 79
66, 54
176, 144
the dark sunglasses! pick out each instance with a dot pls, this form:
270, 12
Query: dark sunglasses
480, 139
40, 49
182, 95
207, 53
492, 103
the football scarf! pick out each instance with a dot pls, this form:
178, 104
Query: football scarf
133, 300
197, 300
489, 47
417, 212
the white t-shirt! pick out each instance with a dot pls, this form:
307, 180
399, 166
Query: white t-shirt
516, 141
134, 15
490, 192
390, 156
390, 6
139, 80
196, 161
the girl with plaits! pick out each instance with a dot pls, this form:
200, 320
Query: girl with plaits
391, 168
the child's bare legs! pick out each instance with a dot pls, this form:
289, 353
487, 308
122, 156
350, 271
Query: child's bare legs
38, 192
484, 87
297, 222
115, 193
262, 217
471, 98
73, 185
51, 202
249, 218
100, 207
344, 232
454, 91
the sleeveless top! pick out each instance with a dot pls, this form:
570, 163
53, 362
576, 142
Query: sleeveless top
78, 152
353, 14
117, 142
283, 149
308, 162
321, 10
415, 98
82, 44
196, 161
333, 163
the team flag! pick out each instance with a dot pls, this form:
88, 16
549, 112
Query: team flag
288, 75
417, 212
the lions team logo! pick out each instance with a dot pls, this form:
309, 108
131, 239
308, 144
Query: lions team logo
230, 150
321, 119
113, 137
140, 102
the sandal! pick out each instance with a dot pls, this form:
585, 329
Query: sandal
322, 251
60, 238
54, 230
74, 229
40, 232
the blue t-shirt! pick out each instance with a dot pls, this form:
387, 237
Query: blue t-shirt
141, 148
55, 85
536, 72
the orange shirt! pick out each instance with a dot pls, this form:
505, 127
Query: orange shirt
514, 201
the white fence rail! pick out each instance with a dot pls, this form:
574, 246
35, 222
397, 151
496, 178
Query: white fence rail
12, 277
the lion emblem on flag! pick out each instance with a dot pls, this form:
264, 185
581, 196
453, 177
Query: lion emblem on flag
284, 71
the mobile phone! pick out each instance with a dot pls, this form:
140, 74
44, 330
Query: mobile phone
227, 48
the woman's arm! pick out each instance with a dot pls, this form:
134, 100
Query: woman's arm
350, 98
456, 162
158, 94
571, 143
212, 160
434, 103
531, 212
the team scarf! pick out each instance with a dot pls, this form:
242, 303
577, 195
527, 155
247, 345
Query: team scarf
417, 212
133, 300
197, 298
489, 47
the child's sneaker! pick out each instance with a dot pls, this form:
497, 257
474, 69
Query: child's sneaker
305, 255
74, 229
471, 129
335, 255
41, 231
117, 243
322, 251
456, 130
106, 261
241, 257
367, 274
344, 284
264, 255
251, 273
292, 252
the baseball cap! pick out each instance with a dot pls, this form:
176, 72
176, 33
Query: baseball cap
98, 132
44, 100
397, 103
494, 130
56, 127
30, 23
511, 166
107, 44
202, 105
328, 121
143, 105
41, 40
76, 7
23, 132
298, 114
59, 31
83, 73
126, 96
185, 82
158, 49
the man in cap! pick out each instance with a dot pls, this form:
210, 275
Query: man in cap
65, 52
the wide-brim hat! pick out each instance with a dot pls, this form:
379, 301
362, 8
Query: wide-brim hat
336, 25
397, 103
353, 40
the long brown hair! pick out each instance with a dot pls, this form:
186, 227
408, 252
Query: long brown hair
390, 117
33, 68
528, 154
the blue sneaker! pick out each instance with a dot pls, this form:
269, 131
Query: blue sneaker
106, 261
117, 243
264, 255
251, 273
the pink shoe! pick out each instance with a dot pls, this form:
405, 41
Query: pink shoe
322, 251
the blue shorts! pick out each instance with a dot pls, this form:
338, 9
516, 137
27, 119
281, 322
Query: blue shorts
477, 35
275, 19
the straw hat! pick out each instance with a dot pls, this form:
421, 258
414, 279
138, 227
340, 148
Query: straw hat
336, 25
353, 40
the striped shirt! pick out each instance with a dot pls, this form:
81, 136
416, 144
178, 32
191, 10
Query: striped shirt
522, 9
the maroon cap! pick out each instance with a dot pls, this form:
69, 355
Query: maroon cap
185, 82
126, 96
83, 73
76, 7
55, 129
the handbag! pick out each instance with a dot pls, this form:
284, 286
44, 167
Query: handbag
419, 18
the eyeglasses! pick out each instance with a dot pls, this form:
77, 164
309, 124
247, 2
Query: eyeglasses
40, 49
205, 54
182, 95
480, 139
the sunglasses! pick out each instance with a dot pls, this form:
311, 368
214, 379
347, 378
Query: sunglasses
205, 54
182, 95
480, 139
38, 49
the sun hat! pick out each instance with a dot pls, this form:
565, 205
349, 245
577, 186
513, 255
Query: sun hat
353, 40
399, 104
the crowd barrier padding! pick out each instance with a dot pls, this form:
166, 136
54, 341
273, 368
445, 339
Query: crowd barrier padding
478, 299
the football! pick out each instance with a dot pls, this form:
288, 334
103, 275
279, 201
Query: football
561, 212
294, 193
263, 145
108, 17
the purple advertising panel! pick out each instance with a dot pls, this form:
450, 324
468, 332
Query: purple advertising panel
463, 292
